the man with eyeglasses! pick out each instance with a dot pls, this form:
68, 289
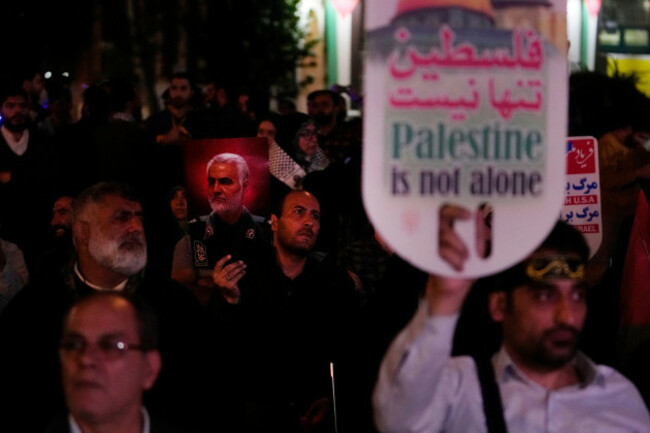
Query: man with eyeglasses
110, 255
537, 382
109, 357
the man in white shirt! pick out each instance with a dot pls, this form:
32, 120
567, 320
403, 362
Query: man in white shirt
545, 384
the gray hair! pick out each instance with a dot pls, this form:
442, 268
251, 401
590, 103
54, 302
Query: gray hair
96, 194
230, 158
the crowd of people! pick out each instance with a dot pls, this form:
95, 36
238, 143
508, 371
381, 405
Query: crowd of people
123, 310
248, 335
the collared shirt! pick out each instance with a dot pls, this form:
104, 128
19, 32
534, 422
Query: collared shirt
18, 147
146, 423
117, 288
422, 389
124, 117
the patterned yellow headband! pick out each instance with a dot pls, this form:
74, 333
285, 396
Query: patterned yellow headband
545, 267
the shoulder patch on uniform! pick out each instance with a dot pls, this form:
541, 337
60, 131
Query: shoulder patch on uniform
200, 254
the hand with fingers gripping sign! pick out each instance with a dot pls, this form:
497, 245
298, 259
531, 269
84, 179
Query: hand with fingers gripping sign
451, 246
446, 295
226, 276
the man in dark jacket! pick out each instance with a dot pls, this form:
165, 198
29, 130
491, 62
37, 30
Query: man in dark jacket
110, 255
293, 318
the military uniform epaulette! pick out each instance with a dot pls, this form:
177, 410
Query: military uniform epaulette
208, 247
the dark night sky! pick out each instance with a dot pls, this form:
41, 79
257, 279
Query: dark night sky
44, 34
256, 39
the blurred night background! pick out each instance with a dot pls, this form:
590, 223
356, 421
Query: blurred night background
251, 45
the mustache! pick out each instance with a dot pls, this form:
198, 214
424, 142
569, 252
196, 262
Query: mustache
12, 124
220, 199
575, 332
133, 239
306, 231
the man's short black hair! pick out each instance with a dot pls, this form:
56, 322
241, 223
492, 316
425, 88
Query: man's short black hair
145, 316
278, 206
182, 76
332, 94
563, 239
270, 117
11, 90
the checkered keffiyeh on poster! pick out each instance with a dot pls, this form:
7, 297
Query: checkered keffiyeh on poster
284, 168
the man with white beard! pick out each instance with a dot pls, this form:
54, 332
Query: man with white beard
108, 236
230, 230
110, 255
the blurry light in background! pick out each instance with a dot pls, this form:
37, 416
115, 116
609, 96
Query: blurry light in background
344, 7
65, 74
593, 7
48, 75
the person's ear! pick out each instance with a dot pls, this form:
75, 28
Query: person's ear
81, 231
152, 369
497, 305
274, 223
